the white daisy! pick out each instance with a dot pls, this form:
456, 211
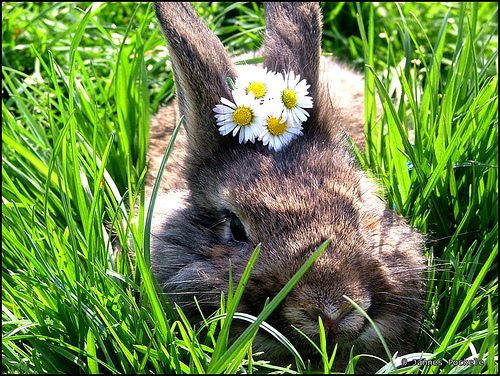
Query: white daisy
294, 99
278, 132
258, 81
243, 116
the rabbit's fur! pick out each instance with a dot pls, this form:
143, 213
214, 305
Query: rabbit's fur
290, 201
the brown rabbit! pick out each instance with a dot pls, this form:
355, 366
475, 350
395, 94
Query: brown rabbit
224, 198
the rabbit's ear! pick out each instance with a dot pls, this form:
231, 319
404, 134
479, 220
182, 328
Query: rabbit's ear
293, 43
201, 66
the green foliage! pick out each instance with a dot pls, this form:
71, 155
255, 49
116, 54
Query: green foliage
79, 83
441, 118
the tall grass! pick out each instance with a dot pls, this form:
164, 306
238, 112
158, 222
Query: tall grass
445, 176
79, 84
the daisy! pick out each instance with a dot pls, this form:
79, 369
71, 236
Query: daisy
257, 81
294, 99
278, 132
243, 117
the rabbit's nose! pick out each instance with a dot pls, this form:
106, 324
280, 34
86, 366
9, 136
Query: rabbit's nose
331, 320
329, 324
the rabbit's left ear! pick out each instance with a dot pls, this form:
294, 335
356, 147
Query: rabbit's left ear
293, 43
201, 66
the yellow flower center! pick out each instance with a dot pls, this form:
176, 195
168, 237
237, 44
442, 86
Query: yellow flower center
242, 116
257, 88
289, 98
275, 127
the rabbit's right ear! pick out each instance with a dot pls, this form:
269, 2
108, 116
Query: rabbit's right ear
201, 66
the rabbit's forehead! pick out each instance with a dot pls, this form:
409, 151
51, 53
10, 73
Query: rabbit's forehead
286, 194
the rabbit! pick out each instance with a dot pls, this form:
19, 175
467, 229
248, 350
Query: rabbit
223, 198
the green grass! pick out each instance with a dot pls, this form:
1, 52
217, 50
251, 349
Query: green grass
79, 84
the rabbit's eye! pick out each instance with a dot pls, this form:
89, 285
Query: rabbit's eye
238, 230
